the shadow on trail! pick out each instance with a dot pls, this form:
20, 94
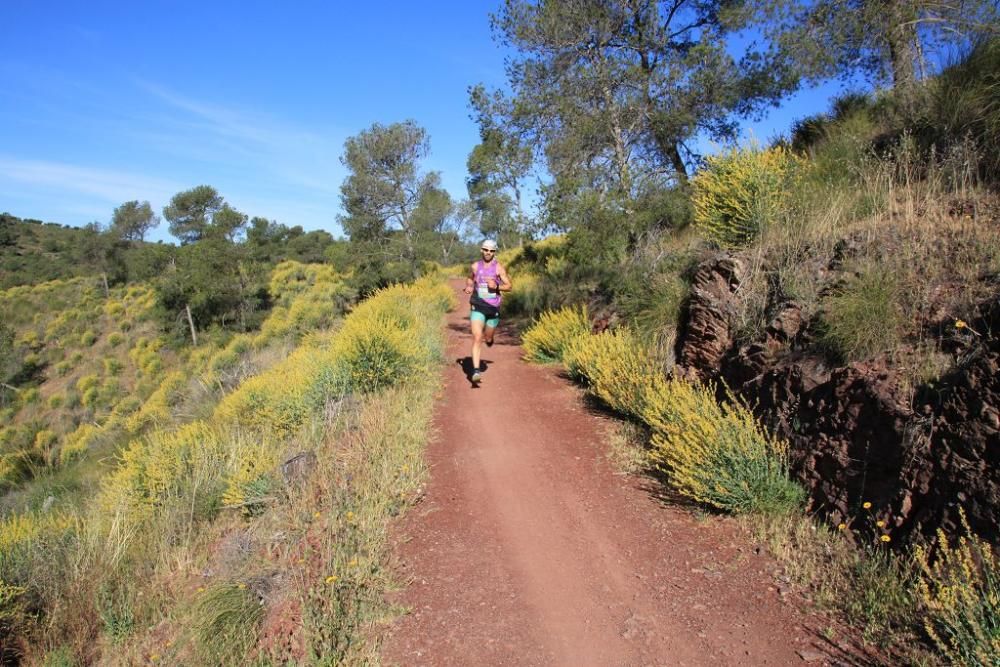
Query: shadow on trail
467, 369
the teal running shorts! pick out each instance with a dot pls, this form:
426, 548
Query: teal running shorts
491, 323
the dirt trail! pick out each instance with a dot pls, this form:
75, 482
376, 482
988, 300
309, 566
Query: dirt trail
529, 549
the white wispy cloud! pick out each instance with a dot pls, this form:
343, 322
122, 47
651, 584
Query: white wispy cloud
211, 132
108, 185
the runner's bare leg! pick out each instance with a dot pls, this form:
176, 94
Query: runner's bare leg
477, 342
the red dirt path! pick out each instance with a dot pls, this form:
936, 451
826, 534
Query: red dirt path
529, 549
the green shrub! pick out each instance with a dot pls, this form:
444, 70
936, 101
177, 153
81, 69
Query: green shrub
546, 340
740, 192
224, 360
61, 657
964, 104
115, 339
718, 454
115, 607
88, 338
960, 591
864, 316
840, 158
225, 622
652, 300
528, 297
91, 398
72, 399
112, 366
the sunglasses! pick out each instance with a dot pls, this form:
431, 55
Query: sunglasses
487, 250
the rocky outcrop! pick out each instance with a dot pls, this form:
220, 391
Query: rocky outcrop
963, 410
706, 334
856, 434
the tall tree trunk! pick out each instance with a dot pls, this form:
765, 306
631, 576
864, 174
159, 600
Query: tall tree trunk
104, 277
668, 144
194, 334
673, 153
901, 38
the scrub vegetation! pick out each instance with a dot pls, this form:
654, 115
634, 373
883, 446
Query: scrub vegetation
902, 193
202, 445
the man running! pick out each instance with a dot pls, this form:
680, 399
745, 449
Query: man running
485, 283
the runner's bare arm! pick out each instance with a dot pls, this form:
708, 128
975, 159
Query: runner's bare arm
505, 284
470, 279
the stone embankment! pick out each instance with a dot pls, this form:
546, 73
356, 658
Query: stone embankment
859, 432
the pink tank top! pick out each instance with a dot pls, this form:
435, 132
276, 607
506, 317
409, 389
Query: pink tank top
483, 274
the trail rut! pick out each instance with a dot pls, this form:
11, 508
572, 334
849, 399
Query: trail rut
529, 548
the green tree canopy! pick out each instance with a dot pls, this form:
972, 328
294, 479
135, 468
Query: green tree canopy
497, 168
201, 212
612, 91
132, 220
888, 41
394, 211
211, 282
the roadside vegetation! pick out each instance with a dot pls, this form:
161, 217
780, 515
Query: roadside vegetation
906, 202
202, 444
245, 522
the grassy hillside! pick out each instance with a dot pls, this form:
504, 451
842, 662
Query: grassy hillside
86, 363
33, 252
224, 504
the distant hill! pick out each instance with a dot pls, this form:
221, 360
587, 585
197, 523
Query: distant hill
32, 251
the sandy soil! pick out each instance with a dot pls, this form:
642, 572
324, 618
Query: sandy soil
530, 549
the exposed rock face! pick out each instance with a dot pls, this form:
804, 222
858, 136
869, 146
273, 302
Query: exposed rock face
855, 436
964, 455
706, 335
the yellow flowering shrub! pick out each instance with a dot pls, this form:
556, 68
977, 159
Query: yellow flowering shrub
616, 367
741, 191
85, 382
307, 297
78, 442
554, 330
114, 308
145, 355
373, 351
45, 441
715, 453
29, 396
11, 608
157, 410
280, 399
21, 531
960, 591
251, 472
159, 465
388, 336
290, 279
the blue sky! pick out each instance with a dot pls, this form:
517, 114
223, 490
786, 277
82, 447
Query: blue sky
105, 102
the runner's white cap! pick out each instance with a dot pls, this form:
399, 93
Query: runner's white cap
489, 244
